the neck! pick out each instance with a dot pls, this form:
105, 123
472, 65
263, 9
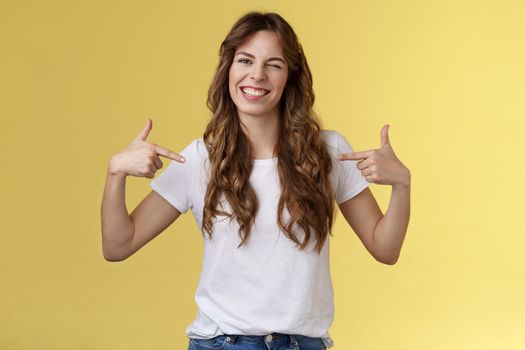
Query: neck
262, 131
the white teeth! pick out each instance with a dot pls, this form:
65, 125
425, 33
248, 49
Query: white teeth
254, 92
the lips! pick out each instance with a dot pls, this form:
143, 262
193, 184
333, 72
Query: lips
253, 93
255, 88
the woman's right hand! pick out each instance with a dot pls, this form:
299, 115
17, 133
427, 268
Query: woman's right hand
141, 158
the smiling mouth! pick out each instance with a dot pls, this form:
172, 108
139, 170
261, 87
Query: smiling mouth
254, 92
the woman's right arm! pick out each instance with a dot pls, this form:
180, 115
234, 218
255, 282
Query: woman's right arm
123, 234
117, 225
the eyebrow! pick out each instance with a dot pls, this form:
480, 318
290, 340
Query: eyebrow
252, 56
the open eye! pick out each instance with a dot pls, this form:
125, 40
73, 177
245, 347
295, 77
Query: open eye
242, 60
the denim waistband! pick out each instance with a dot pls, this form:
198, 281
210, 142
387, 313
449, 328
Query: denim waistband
269, 338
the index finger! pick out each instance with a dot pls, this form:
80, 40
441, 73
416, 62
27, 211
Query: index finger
168, 154
353, 155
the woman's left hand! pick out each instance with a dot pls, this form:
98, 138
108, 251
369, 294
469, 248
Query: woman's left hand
381, 165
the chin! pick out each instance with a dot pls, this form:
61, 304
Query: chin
253, 111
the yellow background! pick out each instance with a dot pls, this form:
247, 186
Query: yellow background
79, 78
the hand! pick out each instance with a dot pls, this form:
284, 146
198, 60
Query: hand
141, 158
381, 165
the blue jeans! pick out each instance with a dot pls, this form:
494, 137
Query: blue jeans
275, 341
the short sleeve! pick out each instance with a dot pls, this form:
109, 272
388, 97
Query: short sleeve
350, 180
175, 182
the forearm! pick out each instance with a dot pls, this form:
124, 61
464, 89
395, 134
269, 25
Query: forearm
390, 231
117, 226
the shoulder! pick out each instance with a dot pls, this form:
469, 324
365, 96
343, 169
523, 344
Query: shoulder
336, 141
196, 153
193, 152
330, 136
195, 149
333, 140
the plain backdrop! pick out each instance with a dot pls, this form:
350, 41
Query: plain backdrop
79, 78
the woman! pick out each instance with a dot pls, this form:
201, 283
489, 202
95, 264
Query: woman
261, 184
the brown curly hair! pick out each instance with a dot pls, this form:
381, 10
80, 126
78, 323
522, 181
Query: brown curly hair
304, 164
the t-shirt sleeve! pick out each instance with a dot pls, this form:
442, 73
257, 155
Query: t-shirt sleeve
175, 182
350, 180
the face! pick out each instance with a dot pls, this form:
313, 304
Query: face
258, 75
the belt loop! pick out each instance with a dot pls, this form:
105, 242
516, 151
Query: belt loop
293, 341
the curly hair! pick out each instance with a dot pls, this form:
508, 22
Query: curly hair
304, 164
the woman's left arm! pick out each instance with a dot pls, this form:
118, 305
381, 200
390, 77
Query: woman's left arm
386, 234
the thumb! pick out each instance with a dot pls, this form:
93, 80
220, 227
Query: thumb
144, 132
384, 135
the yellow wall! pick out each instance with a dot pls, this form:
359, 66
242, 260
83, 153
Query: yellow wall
78, 80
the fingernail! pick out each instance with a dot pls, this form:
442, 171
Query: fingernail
182, 159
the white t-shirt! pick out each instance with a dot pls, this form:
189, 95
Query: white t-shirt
267, 285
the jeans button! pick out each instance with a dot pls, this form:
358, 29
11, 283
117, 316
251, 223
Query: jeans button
269, 338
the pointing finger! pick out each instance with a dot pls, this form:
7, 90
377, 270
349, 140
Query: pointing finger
168, 154
353, 155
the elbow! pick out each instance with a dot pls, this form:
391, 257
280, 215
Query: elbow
113, 253
112, 257
387, 259
391, 261
386, 255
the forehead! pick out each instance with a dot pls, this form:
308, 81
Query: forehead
262, 43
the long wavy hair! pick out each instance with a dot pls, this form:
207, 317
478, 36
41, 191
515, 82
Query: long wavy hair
304, 164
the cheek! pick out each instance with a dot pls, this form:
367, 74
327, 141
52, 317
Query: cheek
231, 82
233, 78
282, 82
234, 73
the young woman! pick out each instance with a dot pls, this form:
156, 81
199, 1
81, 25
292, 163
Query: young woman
261, 184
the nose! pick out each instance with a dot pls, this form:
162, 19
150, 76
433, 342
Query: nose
258, 73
